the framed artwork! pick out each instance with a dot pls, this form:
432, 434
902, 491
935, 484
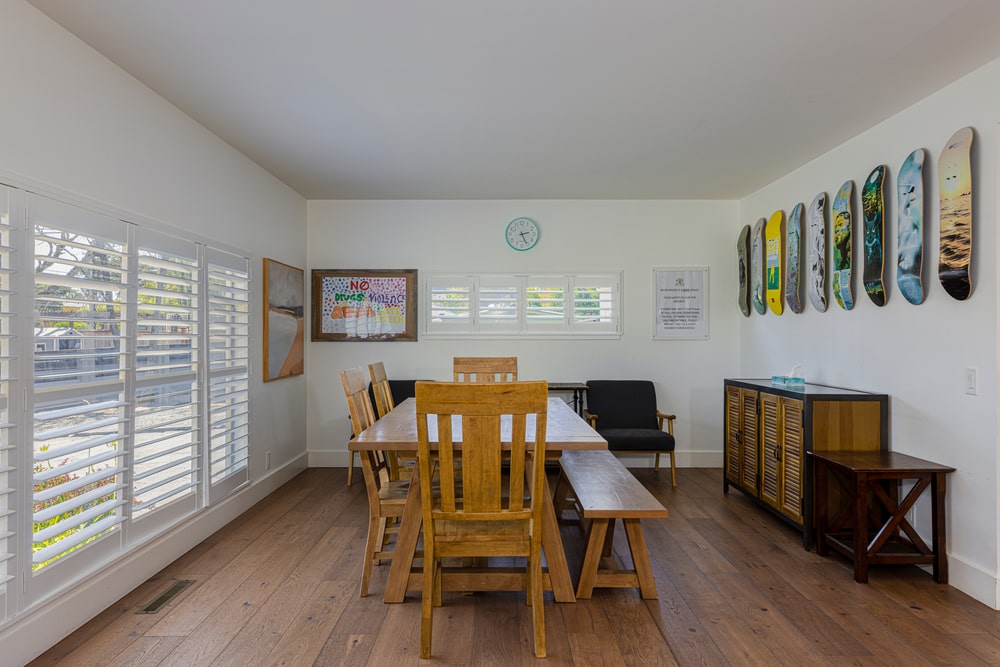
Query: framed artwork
284, 320
680, 303
364, 305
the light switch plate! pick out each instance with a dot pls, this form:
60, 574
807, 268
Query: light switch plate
971, 381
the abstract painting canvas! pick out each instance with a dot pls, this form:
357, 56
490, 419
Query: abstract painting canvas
284, 322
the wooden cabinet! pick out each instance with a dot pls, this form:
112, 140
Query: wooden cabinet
769, 429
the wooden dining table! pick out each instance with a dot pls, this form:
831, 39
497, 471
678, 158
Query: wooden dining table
397, 431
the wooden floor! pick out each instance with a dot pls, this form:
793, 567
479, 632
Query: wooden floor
278, 586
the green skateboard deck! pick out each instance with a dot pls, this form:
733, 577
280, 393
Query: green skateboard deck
774, 236
743, 255
955, 252
817, 252
757, 267
793, 259
843, 223
910, 218
873, 212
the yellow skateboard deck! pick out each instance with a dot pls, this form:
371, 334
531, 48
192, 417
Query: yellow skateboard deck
774, 242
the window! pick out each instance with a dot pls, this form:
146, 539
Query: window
538, 305
137, 399
229, 371
8, 454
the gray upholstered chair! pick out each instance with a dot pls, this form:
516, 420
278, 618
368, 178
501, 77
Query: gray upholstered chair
624, 412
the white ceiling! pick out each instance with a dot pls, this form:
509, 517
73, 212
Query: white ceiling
485, 99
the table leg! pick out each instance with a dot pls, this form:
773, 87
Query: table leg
822, 505
406, 542
552, 546
861, 528
938, 528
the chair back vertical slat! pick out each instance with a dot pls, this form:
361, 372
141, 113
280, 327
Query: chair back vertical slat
484, 369
381, 389
517, 461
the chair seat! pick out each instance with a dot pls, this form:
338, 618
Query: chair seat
394, 492
637, 439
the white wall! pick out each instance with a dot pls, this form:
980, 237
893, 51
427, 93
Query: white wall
633, 236
916, 354
71, 122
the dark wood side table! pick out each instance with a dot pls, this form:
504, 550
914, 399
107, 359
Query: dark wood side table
578, 389
871, 482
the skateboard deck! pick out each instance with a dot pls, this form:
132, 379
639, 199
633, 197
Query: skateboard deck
743, 255
910, 240
873, 212
817, 252
955, 252
842, 227
774, 237
757, 267
793, 259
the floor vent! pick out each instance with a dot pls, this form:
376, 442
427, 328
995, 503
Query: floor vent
172, 592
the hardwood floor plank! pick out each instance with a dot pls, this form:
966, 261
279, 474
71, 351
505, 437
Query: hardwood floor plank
279, 585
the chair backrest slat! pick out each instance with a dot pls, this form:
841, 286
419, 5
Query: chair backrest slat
380, 387
494, 422
485, 369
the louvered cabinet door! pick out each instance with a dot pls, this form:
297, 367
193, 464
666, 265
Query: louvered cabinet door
770, 449
750, 452
734, 432
792, 456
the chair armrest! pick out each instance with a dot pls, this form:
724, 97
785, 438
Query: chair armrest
591, 418
660, 416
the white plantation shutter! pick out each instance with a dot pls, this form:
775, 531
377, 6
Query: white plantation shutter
451, 303
79, 377
499, 303
508, 305
8, 421
594, 303
545, 303
229, 371
167, 441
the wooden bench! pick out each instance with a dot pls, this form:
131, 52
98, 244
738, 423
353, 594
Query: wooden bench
601, 490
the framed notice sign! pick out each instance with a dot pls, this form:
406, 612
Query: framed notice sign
356, 305
680, 303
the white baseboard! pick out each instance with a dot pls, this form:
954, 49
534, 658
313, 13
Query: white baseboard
973, 581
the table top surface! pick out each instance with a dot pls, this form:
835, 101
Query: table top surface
879, 461
398, 430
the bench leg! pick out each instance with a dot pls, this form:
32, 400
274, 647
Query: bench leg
640, 559
592, 558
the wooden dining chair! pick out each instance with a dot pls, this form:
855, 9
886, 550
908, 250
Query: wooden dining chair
485, 369
486, 513
386, 495
384, 402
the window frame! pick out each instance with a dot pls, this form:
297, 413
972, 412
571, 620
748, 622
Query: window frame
568, 325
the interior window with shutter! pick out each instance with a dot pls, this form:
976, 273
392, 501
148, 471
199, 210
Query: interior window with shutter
499, 304
79, 408
545, 303
594, 299
166, 456
229, 371
450, 298
8, 451
509, 305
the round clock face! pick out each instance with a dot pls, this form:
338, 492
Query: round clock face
522, 233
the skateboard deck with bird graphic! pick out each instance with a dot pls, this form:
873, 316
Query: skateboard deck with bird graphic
910, 228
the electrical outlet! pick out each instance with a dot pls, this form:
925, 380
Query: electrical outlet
267, 461
972, 381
